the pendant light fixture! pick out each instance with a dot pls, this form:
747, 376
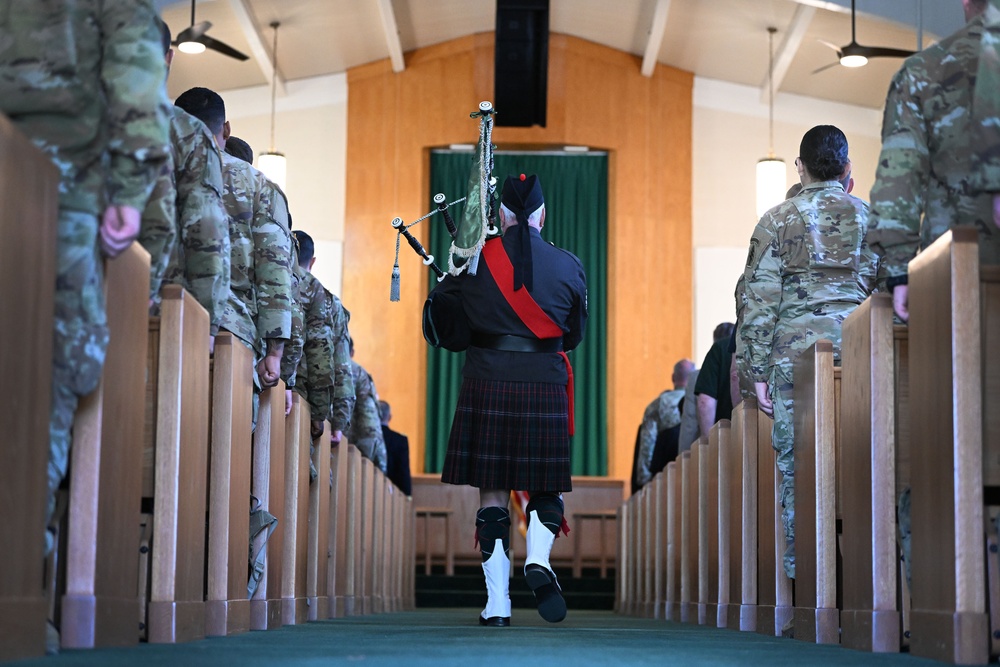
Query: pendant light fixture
273, 163
771, 169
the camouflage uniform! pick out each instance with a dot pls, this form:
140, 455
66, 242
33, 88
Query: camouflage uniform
316, 364
259, 303
663, 413
84, 81
291, 357
343, 400
807, 269
366, 427
924, 170
184, 226
986, 104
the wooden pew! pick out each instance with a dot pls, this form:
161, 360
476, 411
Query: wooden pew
352, 562
320, 525
708, 530
363, 569
621, 560
672, 595
227, 609
376, 572
295, 525
720, 439
99, 607
177, 600
639, 550
409, 574
660, 500
774, 589
339, 515
743, 517
816, 617
268, 487
871, 358
689, 534
29, 186
948, 621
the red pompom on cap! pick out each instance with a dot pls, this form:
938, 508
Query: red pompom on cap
523, 177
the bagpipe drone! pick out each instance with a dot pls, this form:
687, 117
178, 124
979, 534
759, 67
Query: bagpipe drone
478, 221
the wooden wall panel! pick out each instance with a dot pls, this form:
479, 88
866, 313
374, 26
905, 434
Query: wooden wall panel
596, 97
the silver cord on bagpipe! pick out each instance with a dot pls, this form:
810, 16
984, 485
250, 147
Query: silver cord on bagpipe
487, 213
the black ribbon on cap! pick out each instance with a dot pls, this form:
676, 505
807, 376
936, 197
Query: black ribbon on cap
523, 196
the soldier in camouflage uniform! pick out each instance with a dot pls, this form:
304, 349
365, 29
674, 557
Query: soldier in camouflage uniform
344, 395
808, 267
84, 81
184, 227
366, 426
662, 414
316, 366
986, 110
258, 310
924, 184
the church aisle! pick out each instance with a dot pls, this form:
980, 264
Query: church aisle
441, 637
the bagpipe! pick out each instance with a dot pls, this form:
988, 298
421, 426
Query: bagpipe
478, 221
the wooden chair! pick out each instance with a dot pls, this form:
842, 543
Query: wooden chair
295, 525
743, 517
268, 487
425, 515
29, 187
320, 526
689, 535
604, 519
100, 606
949, 619
871, 619
774, 589
177, 600
816, 617
227, 609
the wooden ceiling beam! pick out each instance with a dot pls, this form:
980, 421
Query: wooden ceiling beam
789, 46
391, 32
656, 33
260, 53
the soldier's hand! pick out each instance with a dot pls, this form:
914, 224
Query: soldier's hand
764, 399
316, 428
269, 370
119, 227
336, 437
288, 402
901, 302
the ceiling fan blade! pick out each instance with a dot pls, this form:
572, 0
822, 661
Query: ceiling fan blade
883, 52
223, 48
193, 33
836, 48
825, 67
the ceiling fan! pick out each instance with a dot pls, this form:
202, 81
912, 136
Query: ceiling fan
195, 39
855, 55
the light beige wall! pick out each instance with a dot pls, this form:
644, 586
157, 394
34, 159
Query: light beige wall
730, 134
311, 130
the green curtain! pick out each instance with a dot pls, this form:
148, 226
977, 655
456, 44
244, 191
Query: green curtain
576, 218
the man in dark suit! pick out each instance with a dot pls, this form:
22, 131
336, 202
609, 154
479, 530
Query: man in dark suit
397, 451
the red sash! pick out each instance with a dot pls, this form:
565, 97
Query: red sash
525, 307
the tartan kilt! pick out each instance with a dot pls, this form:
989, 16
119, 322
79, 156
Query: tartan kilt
510, 435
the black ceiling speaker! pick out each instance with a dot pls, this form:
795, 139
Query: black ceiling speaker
521, 62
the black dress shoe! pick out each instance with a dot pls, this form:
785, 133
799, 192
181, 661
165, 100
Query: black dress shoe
548, 595
495, 621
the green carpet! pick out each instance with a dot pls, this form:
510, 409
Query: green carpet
441, 637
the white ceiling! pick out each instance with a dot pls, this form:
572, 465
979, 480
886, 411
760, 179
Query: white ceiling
716, 39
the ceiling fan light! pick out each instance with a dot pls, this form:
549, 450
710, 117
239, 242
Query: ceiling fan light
853, 61
275, 167
191, 47
770, 183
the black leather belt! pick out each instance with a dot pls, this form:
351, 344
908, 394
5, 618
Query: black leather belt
509, 343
